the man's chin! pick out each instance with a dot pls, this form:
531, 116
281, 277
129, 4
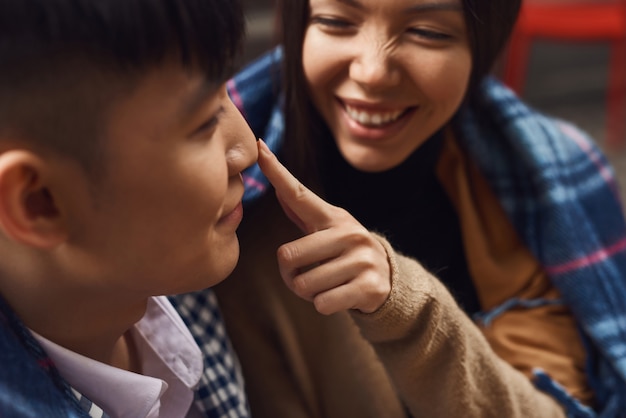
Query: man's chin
226, 266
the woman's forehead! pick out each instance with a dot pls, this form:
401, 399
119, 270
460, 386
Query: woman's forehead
406, 5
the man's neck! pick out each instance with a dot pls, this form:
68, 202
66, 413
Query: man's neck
96, 327
125, 355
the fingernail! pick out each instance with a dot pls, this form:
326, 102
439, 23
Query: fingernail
263, 146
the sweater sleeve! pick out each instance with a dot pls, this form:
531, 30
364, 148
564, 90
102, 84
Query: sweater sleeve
437, 357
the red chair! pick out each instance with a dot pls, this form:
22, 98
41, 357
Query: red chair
576, 21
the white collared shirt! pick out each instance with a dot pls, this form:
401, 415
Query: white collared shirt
171, 365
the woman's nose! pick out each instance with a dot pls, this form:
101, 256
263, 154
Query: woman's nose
373, 67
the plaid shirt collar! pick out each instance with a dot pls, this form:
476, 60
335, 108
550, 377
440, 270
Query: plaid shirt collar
219, 394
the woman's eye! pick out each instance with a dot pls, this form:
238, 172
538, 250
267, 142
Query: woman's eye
430, 35
331, 22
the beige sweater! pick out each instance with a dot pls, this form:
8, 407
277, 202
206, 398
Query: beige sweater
419, 352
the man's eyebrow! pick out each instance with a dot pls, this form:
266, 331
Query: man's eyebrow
206, 90
424, 7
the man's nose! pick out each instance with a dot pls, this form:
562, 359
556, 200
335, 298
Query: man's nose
242, 150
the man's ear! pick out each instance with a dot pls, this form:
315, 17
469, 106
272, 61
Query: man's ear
28, 211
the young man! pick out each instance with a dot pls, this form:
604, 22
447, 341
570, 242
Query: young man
120, 162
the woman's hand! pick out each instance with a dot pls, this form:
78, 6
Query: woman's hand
338, 264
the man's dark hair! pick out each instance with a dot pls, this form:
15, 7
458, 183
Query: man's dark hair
62, 62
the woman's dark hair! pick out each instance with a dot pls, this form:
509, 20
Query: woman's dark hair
489, 24
60, 60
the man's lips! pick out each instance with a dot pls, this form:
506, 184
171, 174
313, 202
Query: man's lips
235, 215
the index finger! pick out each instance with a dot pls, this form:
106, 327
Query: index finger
310, 209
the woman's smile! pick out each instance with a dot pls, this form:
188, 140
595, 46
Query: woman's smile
372, 122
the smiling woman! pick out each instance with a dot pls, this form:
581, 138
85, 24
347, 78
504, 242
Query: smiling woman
443, 274
408, 65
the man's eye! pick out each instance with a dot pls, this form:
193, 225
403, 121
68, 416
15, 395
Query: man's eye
209, 125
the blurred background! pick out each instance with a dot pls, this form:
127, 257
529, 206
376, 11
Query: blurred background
567, 76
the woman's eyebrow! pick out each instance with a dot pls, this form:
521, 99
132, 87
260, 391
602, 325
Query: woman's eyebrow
424, 7
434, 6
354, 3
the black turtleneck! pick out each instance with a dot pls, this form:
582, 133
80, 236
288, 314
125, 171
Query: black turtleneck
409, 207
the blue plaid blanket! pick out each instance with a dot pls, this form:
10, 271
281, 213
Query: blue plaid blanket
558, 191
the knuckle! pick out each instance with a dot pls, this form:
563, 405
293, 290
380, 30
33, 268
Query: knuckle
369, 251
341, 215
375, 288
301, 286
300, 192
358, 237
381, 289
287, 254
322, 304
368, 260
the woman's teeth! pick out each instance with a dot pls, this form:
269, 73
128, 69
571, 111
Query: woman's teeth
373, 118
